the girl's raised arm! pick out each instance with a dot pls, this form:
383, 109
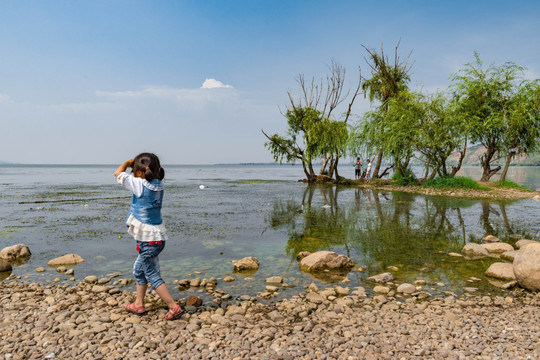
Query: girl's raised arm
123, 167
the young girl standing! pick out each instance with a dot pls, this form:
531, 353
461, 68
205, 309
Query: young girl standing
146, 226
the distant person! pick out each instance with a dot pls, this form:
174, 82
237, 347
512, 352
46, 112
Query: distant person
368, 170
357, 169
146, 226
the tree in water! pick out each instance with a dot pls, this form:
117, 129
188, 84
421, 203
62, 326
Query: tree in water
388, 80
501, 111
313, 131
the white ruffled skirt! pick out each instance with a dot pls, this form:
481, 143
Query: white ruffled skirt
146, 232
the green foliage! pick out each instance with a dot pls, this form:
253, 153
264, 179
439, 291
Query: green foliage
511, 184
501, 110
408, 179
458, 182
434, 141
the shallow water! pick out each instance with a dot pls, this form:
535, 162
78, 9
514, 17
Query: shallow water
259, 211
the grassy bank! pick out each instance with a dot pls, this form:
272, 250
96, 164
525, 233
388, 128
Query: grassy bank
458, 186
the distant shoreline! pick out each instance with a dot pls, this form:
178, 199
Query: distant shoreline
3, 163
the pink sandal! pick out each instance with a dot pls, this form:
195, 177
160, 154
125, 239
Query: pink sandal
137, 310
174, 313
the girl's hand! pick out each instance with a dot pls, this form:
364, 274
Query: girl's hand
123, 167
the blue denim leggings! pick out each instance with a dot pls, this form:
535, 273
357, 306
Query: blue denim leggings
146, 267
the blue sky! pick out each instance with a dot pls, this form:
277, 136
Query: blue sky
100, 81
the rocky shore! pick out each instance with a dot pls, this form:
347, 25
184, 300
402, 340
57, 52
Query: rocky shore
87, 321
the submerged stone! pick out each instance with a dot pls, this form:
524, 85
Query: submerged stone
68, 259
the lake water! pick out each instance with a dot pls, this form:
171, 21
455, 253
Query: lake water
261, 211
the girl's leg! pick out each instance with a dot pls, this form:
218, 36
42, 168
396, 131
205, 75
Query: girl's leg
165, 295
141, 292
140, 280
153, 273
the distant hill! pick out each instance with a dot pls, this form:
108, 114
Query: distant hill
475, 152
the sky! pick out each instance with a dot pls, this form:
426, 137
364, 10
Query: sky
97, 82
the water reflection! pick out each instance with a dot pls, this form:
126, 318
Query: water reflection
380, 230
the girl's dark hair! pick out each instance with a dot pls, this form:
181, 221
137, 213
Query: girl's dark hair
149, 164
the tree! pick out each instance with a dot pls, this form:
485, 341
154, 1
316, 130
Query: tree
498, 109
313, 132
394, 131
441, 132
296, 144
387, 81
522, 123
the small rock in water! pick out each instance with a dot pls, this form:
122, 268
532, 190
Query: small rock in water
247, 263
382, 278
194, 301
274, 280
91, 279
490, 239
406, 288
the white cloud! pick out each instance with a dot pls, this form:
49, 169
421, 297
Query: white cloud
214, 84
5, 99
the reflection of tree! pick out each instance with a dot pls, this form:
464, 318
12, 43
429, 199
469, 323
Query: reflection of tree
379, 229
489, 209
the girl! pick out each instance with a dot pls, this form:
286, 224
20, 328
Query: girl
146, 226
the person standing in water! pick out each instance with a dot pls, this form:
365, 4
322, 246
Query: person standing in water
357, 169
146, 226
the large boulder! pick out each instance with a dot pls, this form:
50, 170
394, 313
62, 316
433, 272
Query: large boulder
5, 266
68, 259
521, 243
527, 267
502, 271
498, 247
325, 260
474, 250
15, 252
509, 255
246, 264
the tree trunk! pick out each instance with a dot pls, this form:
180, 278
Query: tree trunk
488, 172
312, 175
455, 169
324, 164
506, 166
377, 167
336, 169
305, 170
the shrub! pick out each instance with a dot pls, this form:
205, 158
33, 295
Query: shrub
511, 184
455, 182
405, 180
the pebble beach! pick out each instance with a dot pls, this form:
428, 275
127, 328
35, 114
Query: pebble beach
87, 321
